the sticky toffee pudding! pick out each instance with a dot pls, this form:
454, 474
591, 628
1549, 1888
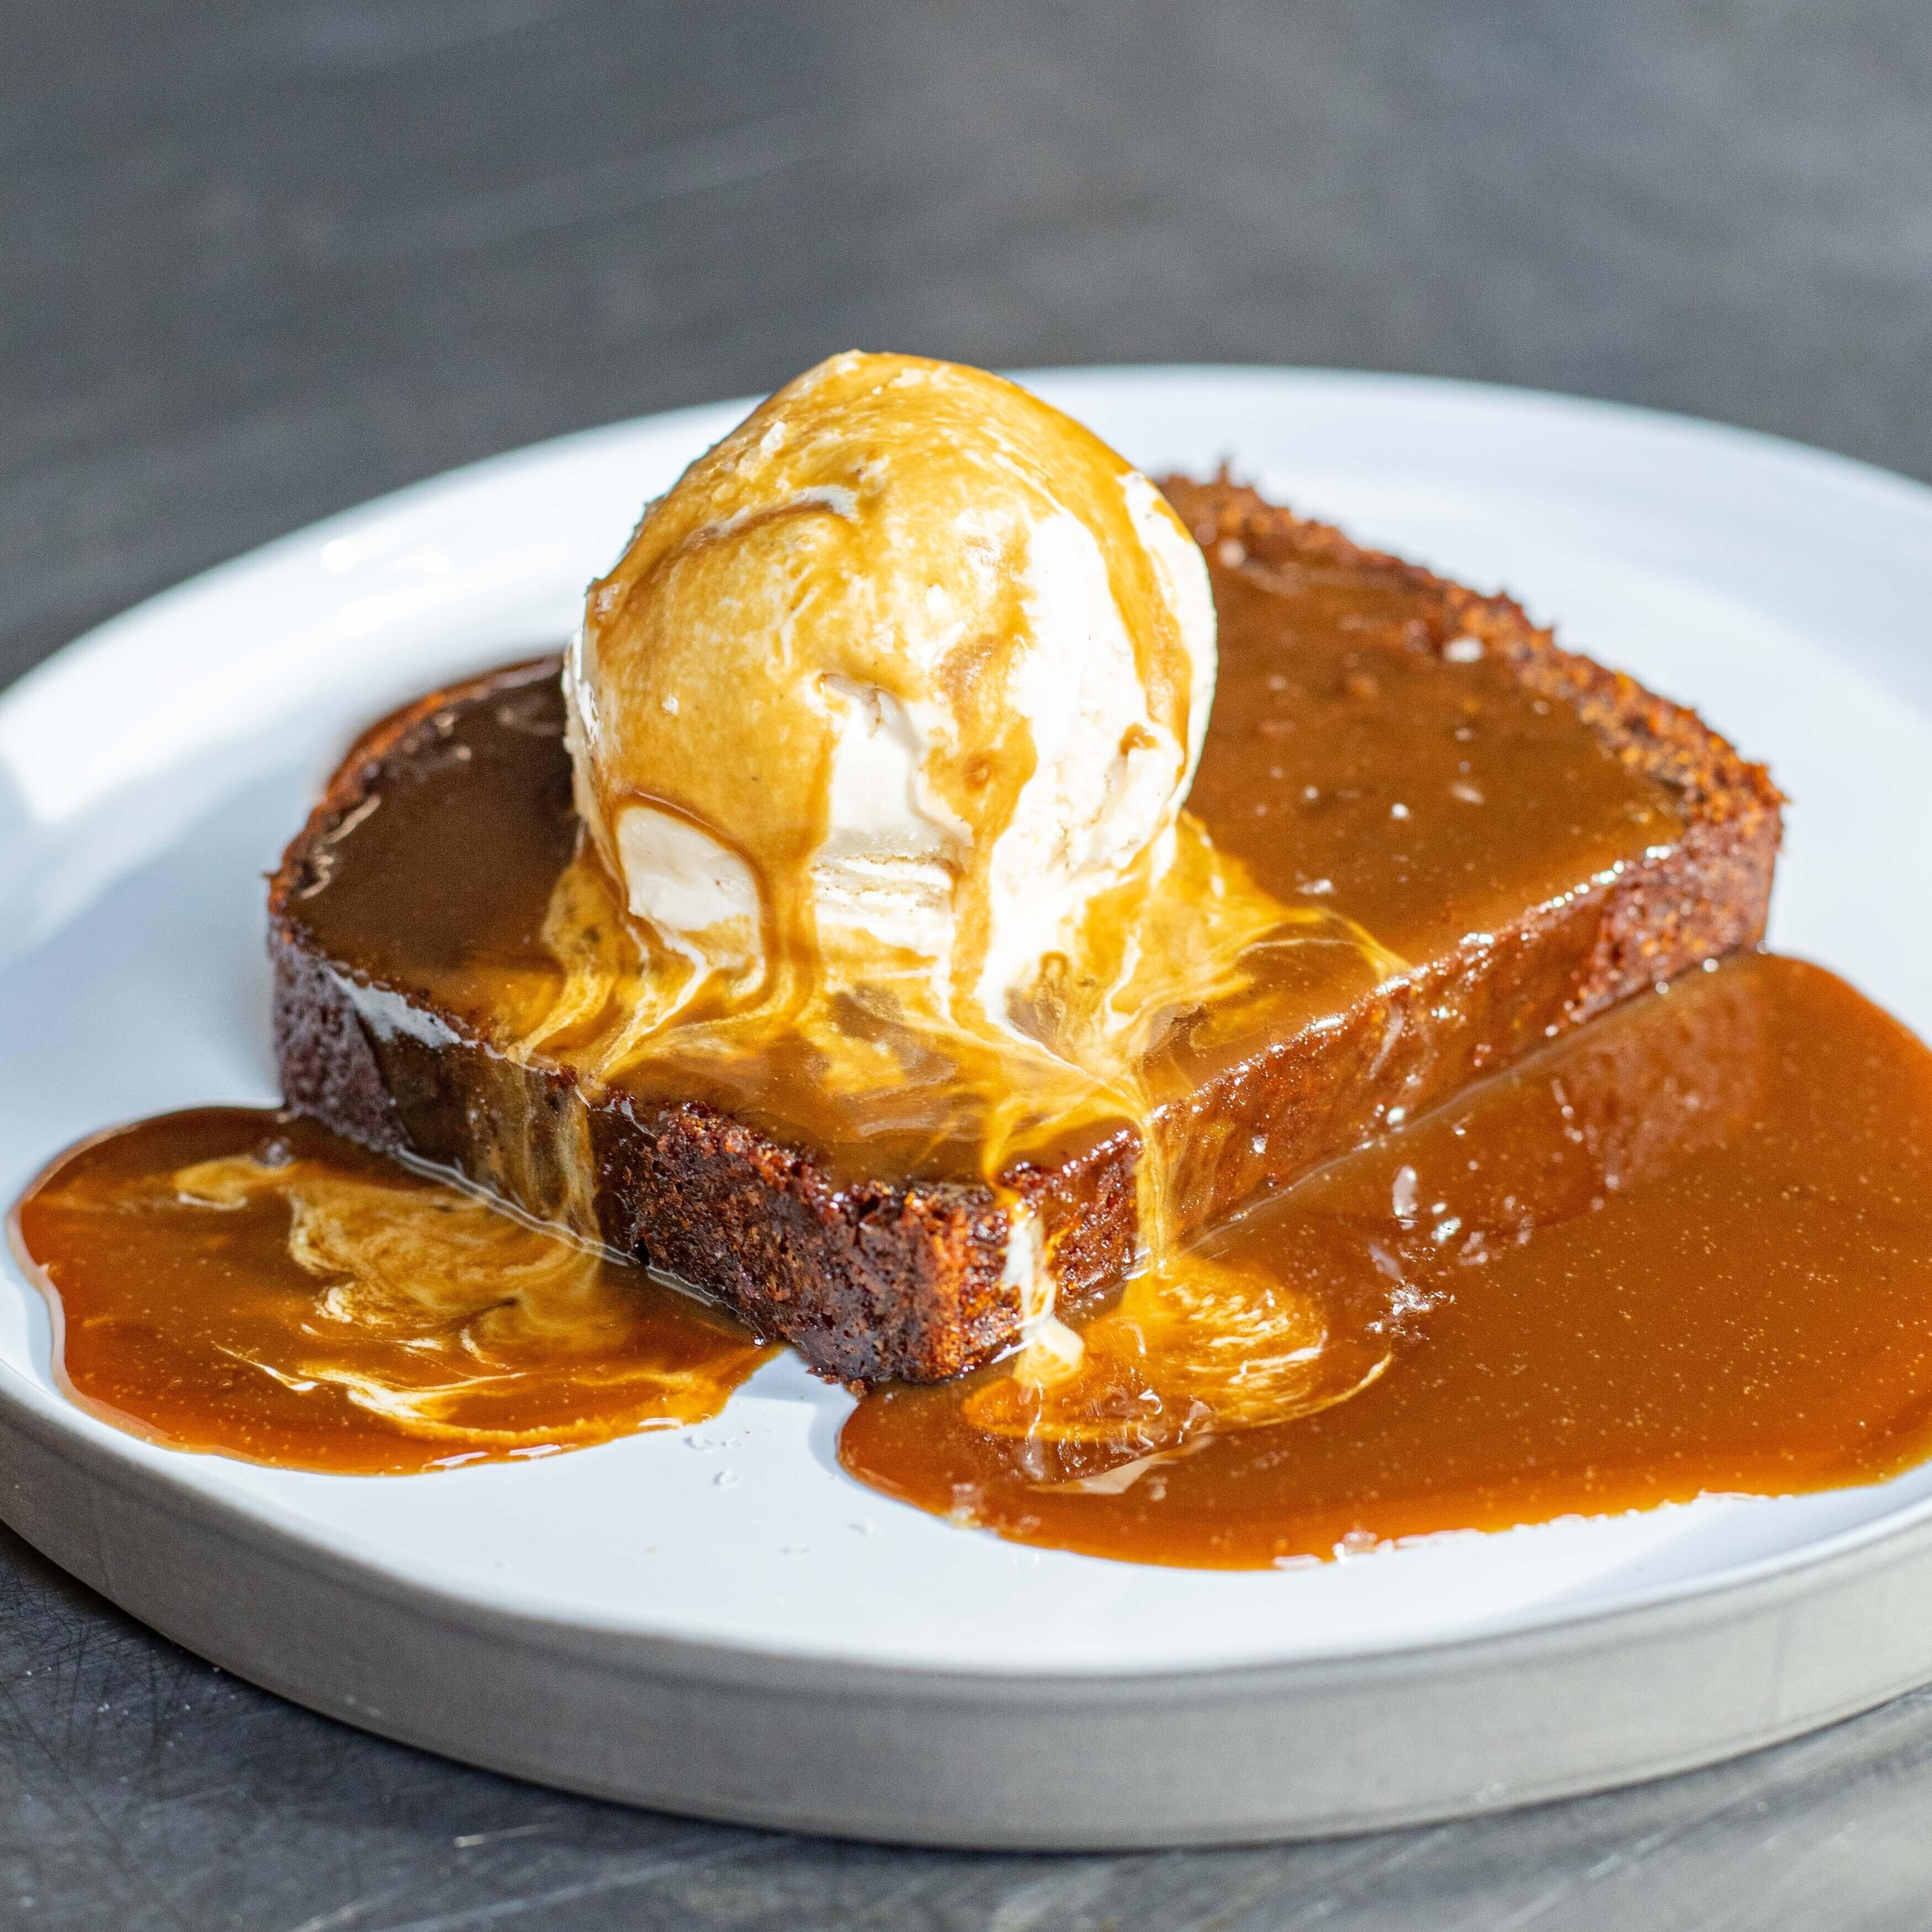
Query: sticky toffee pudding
1404, 1136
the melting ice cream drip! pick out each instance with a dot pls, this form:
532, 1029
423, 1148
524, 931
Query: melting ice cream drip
881, 730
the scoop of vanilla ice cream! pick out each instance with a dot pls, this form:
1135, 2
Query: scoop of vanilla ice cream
893, 681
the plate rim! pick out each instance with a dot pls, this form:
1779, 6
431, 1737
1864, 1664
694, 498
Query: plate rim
890, 1726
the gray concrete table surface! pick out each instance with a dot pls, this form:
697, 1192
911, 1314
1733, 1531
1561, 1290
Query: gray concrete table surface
259, 262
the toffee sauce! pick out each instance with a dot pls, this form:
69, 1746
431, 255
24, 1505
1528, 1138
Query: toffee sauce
1686, 1249
232, 1280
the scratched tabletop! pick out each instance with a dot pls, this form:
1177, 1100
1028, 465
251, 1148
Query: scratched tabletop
261, 260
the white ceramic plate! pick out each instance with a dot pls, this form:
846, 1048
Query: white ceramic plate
785, 1645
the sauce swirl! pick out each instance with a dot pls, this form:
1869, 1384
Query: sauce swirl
233, 1280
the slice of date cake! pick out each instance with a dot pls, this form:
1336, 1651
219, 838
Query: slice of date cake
1527, 837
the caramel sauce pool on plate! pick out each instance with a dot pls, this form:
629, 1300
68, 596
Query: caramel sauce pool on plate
232, 1280
1686, 1250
